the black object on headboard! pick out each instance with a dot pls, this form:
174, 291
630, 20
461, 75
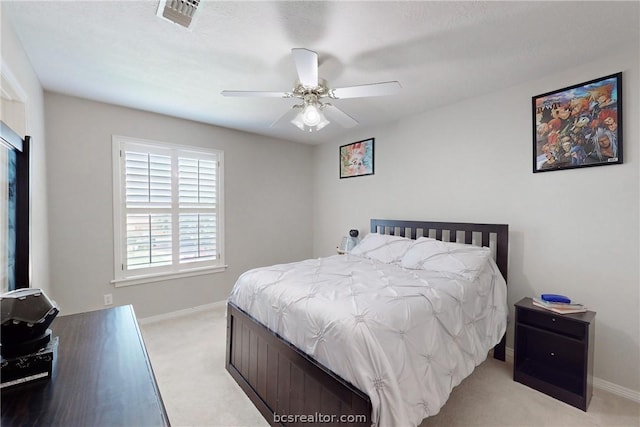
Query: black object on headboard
466, 230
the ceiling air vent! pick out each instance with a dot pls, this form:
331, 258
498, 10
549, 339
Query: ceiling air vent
181, 12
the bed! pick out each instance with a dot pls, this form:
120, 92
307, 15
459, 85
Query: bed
299, 365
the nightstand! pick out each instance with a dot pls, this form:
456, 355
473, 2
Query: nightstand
553, 353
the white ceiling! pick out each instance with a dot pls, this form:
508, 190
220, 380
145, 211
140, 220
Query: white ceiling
120, 52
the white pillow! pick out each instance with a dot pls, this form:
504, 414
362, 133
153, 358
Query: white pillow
382, 247
457, 258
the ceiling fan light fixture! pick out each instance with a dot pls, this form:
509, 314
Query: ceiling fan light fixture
311, 115
310, 118
323, 121
298, 122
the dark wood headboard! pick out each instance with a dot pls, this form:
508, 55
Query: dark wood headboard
460, 232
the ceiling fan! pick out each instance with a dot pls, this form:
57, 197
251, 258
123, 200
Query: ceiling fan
309, 115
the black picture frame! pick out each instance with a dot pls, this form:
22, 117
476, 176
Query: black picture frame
357, 158
578, 126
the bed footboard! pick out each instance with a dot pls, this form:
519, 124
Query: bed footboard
287, 386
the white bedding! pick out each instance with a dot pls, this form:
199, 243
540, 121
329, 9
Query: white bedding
404, 337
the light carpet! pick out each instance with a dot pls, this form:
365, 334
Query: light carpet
187, 353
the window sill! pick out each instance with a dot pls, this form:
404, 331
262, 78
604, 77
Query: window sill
137, 280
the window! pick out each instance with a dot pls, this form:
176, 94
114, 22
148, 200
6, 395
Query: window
167, 210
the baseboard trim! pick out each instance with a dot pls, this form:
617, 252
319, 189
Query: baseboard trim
184, 312
616, 389
508, 353
598, 383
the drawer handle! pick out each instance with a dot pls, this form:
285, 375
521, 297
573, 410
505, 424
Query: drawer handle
552, 353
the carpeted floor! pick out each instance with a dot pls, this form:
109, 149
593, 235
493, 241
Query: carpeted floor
188, 353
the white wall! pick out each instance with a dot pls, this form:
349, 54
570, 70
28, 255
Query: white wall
573, 232
18, 70
267, 204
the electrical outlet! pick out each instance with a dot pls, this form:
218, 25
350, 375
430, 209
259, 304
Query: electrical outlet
108, 299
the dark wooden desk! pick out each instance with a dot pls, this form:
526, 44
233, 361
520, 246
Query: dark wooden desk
101, 377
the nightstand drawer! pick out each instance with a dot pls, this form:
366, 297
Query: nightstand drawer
553, 351
552, 322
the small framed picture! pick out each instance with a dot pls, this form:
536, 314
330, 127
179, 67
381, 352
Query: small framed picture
578, 126
356, 159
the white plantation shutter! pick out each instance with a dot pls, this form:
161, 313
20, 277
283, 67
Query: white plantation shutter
148, 179
197, 237
197, 198
197, 182
166, 208
147, 186
148, 240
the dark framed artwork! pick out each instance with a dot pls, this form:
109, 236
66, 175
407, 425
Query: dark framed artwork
14, 210
578, 126
356, 159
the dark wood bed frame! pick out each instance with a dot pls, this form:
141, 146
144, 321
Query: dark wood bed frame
282, 381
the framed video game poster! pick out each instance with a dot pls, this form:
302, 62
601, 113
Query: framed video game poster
578, 126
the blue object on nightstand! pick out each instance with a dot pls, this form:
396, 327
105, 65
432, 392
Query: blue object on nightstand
555, 298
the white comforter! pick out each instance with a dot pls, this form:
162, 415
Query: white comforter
404, 337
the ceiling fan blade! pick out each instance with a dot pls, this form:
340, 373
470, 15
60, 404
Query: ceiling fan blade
254, 93
339, 116
307, 65
288, 116
374, 89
